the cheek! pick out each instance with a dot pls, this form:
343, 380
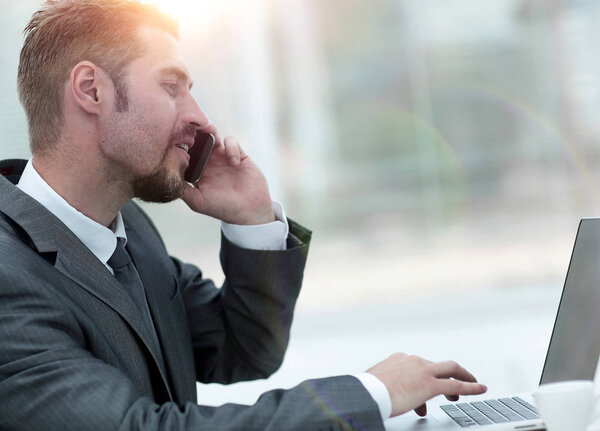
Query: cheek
156, 120
142, 133
150, 129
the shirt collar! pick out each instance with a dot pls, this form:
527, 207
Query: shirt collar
100, 240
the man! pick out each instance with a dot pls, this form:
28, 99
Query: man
100, 328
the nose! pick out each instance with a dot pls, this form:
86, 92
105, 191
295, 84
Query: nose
192, 113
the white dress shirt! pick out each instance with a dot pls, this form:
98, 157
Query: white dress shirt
102, 242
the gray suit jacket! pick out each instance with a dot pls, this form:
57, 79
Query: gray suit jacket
74, 354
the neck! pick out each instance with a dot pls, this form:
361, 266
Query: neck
83, 182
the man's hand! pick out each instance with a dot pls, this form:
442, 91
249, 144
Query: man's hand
232, 187
412, 380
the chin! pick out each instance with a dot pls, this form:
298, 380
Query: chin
159, 187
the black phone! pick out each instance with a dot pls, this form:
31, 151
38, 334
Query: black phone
199, 155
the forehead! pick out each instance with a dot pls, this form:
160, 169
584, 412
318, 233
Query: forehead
162, 53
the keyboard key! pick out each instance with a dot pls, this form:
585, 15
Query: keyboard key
490, 413
458, 416
453, 411
474, 414
511, 415
526, 404
520, 409
468, 422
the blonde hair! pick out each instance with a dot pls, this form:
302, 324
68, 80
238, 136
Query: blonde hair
65, 32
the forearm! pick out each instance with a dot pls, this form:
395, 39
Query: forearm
336, 403
81, 393
241, 331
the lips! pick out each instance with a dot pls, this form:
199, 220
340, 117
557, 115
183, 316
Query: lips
184, 147
185, 143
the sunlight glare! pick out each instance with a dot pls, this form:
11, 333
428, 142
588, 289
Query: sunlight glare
199, 12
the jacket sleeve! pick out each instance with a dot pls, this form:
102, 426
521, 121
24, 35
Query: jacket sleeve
50, 381
241, 331
331, 404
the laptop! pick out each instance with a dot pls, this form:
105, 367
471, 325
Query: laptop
572, 353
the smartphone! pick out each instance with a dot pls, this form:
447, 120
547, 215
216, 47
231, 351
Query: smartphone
199, 155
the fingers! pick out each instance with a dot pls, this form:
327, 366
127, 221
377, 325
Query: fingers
212, 129
450, 369
454, 388
229, 145
454, 380
421, 410
233, 151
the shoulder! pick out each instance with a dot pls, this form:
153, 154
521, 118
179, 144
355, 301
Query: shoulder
26, 276
16, 248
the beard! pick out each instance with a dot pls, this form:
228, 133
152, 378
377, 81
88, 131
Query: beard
160, 186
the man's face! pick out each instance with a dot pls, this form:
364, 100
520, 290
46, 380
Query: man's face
144, 144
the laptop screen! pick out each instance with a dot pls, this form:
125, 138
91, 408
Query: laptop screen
575, 343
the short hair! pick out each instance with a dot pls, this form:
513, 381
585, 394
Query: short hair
65, 32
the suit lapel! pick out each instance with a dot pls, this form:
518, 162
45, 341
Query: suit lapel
73, 259
78, 263
159, 285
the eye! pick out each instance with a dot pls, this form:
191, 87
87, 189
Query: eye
171, 88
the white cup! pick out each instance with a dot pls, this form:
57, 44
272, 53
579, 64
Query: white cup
566, 406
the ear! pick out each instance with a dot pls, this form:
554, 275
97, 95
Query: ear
88, 87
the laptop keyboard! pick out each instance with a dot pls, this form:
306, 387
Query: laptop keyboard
491, 411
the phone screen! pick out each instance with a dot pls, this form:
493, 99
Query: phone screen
199, 155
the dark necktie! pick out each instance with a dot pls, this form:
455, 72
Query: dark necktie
128, 277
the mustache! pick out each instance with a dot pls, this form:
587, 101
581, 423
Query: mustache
186, 131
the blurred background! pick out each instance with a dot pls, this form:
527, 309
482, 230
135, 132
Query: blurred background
442, 152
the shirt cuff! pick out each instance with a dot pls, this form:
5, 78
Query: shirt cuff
378, 392
269, 236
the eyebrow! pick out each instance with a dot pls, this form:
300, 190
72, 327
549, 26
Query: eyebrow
180, 74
